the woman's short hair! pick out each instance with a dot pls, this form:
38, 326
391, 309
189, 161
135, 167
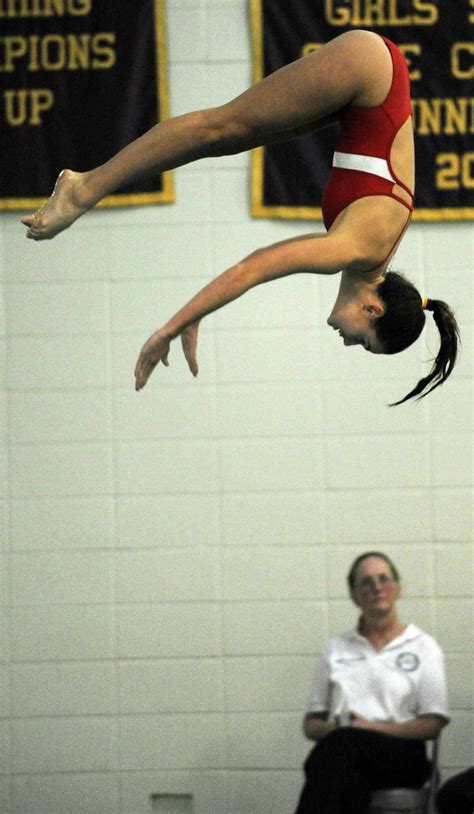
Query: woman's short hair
352, 575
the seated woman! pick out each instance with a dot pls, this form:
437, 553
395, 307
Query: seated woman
378, 694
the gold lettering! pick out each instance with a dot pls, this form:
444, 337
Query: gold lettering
356, 13
394, 19
78, 52
427, 116
27, 106
467, 167
370, 13
102, 47
53, 52
443, 116
407, 49
33, 64
15, 107
455, 171
456, 116
42, 99
44, 8
14, 48
458, 51
54, 8
374, 12
428, 8
339, 16
471, 13
447, 176
79, 8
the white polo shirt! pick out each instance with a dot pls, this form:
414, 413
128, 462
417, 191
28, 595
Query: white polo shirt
398, 683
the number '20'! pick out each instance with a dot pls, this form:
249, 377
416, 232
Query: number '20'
455, 171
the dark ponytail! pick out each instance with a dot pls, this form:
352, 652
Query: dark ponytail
444, 363
403, 322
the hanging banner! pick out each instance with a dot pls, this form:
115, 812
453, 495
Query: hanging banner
80, 79
435, 37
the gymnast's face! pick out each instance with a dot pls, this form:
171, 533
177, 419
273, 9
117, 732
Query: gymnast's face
356, 326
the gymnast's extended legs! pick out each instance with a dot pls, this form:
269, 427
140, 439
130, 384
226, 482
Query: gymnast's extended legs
354, 67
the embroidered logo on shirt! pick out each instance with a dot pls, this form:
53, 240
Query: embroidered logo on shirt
408, 662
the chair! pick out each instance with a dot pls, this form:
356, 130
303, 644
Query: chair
409, 801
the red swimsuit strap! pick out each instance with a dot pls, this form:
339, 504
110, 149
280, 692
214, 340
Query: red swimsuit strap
397, 105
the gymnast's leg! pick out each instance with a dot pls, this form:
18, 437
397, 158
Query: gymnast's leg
354, 67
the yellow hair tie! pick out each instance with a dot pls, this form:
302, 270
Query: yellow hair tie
424, 303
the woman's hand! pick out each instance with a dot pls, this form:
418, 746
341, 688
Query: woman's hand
424, 727
189, 339
157, 348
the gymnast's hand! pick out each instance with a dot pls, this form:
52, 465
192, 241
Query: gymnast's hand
157, 348
189, 339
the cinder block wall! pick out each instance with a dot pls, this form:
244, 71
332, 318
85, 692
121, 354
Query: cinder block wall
172, 561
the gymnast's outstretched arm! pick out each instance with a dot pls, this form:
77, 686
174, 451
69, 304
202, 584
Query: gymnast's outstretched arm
314, 254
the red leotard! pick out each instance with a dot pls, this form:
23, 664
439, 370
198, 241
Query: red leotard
364, 147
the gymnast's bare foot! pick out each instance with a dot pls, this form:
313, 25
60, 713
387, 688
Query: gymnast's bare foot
65, 205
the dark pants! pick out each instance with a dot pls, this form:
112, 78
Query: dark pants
456, 796
346, 765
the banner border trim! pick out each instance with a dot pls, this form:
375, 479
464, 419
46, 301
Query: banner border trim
257, 206
464, 213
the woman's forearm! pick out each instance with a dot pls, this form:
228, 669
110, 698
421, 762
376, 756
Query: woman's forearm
425, 727
260, 267
316, 254
223, 289
317, 726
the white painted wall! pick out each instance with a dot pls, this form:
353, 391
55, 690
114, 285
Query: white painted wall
172, 561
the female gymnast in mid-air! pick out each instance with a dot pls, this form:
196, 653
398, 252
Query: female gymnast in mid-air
359, 78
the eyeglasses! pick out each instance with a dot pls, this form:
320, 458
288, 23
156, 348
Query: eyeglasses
369, 583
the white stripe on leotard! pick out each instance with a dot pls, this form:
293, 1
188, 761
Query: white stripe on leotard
363, 163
